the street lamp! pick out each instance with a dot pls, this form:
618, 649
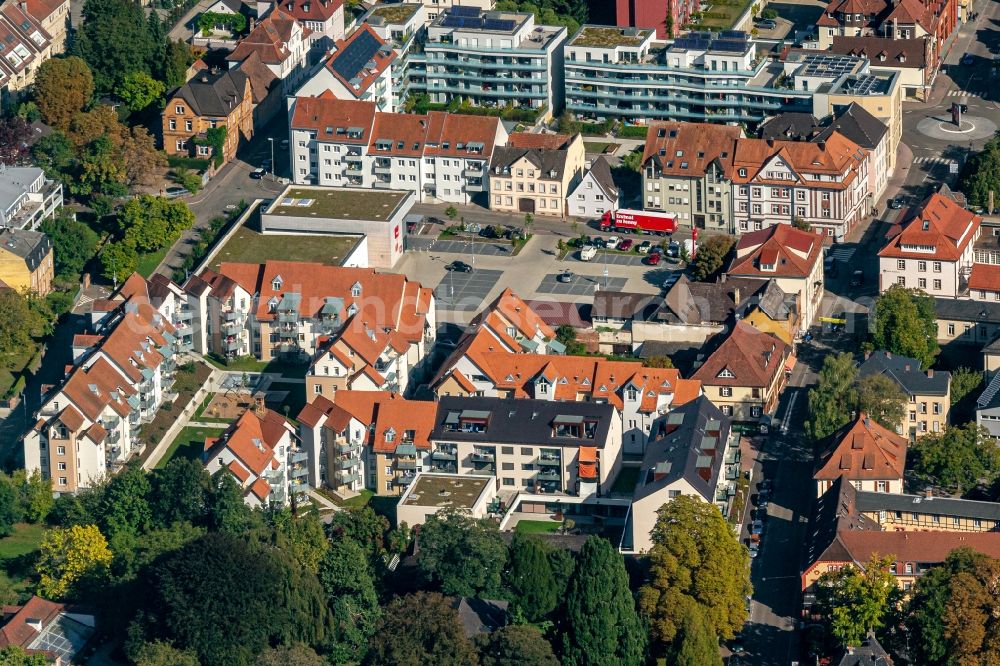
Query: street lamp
271, 140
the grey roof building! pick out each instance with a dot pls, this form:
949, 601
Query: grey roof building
31, 246
873, 502
214, 95
988, 407
853, 121
480, 616
906, 373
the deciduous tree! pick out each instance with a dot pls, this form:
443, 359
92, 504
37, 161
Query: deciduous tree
695, 561
696, 644
516, 645
602, 625
73, 243
15, 137
125, 506
118, 261
139, 90
70, 559
957, 458
19, 322
227, 512
346, 576
180, 492
302, 538
158, 653
14, 655
34, 495
462, 556
834, 396
63, 88
421, 628
905, 324
711, 256
856, 601
10, 505
362, 526
290, 655
971, 616
883, 400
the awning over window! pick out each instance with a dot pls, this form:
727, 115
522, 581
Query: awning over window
588, 454
588, 470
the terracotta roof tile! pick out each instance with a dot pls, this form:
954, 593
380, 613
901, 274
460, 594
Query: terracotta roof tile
261, 489
697, 145
71, 418
239, 471
544, 141
17, 631
367, 72
269, 39
752, 357
985, 277
939, 223
832, 157
791, 251
863, 449
925, 547
319, 11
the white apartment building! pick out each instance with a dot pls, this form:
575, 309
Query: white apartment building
442, 157
260, 450
934, 250
27, 197
824, 183
493, 59
401, 26
360, 68
279, 41
323, 18
434, 8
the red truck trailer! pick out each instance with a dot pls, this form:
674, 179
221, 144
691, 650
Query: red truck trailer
639, 221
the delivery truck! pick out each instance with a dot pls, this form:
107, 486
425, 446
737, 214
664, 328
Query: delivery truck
639, 221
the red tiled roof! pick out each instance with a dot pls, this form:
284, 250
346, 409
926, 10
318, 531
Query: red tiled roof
694, 145
925, 547
93, 388
96, 433
831, 157
252, 439
793, 253
939, 223
455, 129
366, 75
269, 40
71, 418
311, 10
404, 131
864, 450
389, 411
239, 471
751, 356
985, 277
539, 141
17, 631
261, 489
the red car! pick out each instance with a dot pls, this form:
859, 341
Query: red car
653, 259
625, 245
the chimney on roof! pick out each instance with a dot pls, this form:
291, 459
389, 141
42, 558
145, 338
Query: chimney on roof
204, 78
258, 404
770, 142
868, 355
736, 295
822, 145
906, 367
929, 494
930, 373
253, 22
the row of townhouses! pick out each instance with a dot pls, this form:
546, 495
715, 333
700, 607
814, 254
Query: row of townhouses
31, 32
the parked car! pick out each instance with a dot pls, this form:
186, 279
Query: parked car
284, 144
653, 259
174, 192
612, 242
643, 247
231, 207
598, 241
459, 267
757, 527
765, 485
625, 245
674, 249
587, 252
565, 277
895, 204
754, 548
968, 59
857, 278
257, 174
767, 24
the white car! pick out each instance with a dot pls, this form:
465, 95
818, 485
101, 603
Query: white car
612, 242
587, 252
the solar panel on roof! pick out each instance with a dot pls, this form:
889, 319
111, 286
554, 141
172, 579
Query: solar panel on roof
499, 24
464, 11
356, 55
733, 34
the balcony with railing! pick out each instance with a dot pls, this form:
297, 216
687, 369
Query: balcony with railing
445, 453
404, 479
548, 475
346, 476
288, 317
183, 315
231, 344
346, 447
548, 460
346, 462
231, 328
483, 456
299, 472
406, 464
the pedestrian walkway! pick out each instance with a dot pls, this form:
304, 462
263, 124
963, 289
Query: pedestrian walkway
978, 94
933, 160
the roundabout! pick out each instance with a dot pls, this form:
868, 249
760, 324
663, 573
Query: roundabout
942, 128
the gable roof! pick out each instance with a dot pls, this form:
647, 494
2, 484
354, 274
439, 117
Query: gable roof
331, 117
540, 141
269, 39
793, 253
214, 95
832, 157
689, 302
410, 421
938, 223
262, 79
687, 149
551, 164
311, 10
360, 60
17, 630
985, 277
863, 449
884, 51
906, 373
858, 125
600, 171
253, 438
751, 356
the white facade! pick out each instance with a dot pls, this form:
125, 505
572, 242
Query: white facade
590, 200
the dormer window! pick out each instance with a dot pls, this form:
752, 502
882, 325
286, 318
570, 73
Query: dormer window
631, 394
768, 267
356, 289
726, 373
743, 173
352, 310
390, 435
276, 283
272, 305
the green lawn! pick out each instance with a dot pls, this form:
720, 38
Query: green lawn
17, 556
12, 365
537, 526
250, 364
248, 246
189, 443
625, 483
596, 146
149, 261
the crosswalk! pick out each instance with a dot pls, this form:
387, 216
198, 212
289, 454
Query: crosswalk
978, 94
933, 160
842, 253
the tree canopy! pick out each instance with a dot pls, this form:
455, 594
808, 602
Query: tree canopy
695, 561
883, 400
602, 625
529, 577
73, 243
516, 645
957, 458
710, 257
63, 88
831, 400
418, 629
71, 559
905, 324
461, 555
139, 90
981, 174
856, 601
132, 49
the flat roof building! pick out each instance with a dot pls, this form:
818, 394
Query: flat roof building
430, 493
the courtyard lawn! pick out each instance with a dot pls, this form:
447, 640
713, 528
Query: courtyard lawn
149, 261
250, 364
625, 483
537, 526
189, 443
596, 146
248, 246
17, 556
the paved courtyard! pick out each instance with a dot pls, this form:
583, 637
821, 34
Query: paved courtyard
465, 291
579, 285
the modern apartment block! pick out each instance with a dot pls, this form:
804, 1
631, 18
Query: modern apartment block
291, 309
625, 74
122, 372
536, 446
687, 171
491, 59
401, 26
260, 450
440, 156
367, 439
27, 197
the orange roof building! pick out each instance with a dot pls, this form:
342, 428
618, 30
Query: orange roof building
933, 250
865, 454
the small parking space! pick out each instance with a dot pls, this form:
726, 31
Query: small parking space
580, 285
465, 291
613, 259
498, 249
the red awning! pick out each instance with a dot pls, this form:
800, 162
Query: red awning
588, 454
789, 364
588, 470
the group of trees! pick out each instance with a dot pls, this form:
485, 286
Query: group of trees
981, 174
958, 459
89, 150
569, 13
905, 324
711, 255
145, 224
952, 615
839, 394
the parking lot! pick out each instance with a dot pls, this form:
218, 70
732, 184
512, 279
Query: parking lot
579, 285
465, 291
614, 259
497, 249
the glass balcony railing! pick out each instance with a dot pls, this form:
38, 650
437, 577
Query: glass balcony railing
548, 476
548, 461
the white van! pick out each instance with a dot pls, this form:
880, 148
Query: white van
587, 252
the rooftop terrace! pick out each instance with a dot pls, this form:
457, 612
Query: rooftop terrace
609, 37
395, 13
445, 490
339, 203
